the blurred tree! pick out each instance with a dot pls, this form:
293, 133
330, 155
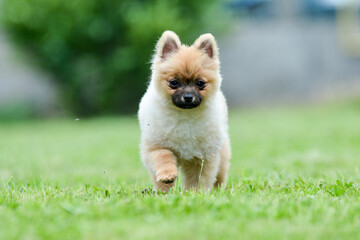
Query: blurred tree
99, 50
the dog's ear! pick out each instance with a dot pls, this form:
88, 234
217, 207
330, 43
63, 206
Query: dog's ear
168, 44
207, 44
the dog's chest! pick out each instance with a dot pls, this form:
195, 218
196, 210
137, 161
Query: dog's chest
189, 138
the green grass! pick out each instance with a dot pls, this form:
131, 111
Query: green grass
294, 175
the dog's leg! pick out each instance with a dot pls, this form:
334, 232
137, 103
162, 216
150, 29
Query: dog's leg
191, 171
162, 187
225, 156
208, 174
162, 166
201, 175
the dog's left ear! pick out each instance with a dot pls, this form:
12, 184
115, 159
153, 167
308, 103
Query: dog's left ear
169, 43
207, 44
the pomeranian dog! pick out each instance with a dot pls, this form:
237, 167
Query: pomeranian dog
183, 115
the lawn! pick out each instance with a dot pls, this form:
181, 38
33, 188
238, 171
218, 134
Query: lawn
294, 175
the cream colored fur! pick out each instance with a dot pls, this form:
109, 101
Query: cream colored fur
172, 137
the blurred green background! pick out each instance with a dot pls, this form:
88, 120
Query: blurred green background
91, 57
97, 51
77, 174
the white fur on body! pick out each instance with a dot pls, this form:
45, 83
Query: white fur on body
173, 136
198, 133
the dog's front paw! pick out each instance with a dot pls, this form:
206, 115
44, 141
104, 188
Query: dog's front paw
167, 176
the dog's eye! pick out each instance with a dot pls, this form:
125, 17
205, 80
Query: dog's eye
174, 84
200, 84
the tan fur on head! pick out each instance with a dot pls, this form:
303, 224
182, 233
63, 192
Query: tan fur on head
168, 43
175, 60
183, 115
207, 43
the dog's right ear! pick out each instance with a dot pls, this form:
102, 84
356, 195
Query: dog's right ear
169, 43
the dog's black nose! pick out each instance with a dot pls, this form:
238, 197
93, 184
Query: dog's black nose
188, 98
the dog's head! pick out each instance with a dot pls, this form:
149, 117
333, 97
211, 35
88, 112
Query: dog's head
186, 75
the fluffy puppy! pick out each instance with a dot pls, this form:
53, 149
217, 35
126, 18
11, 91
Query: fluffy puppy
183, 115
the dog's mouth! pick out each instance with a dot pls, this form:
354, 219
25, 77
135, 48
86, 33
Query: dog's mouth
183, 105
187, 98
